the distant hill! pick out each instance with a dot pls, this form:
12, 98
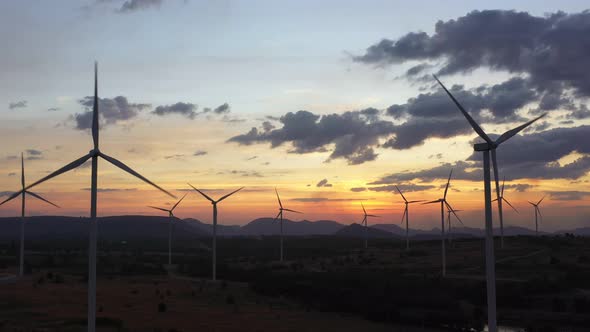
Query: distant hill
266, 226
117, 228
222, 230
358, 231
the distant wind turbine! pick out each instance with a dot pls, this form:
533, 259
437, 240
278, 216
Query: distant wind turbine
365, 219
94, 154
214, 203
502, 198
449, 223
280, 215
22, 193
537, 213
171, 219
486, 148
443, 202
406, 215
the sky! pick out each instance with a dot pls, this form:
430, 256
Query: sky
331, 102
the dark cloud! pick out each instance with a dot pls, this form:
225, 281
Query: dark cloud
135, 5
111, 111
174, 156
199, 153
188, 110
358, 189
33, 152
353, 135
569, 195
511, 41
252, 174
222, 109
323, 183
6, 193
11, 174
461, 170
251, 158
579, 113
520, 187
53, 109
404, 187
18, 104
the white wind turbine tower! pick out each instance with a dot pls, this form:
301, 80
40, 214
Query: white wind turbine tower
406, 215
365, 219
171, 219
22, 193
214, 203
94, 154
537, 214
443, 202
280, 215
486, 148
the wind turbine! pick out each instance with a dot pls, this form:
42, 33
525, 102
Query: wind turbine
406, 215
94, 154
443, 202
502, 198
214, 203
449, 211
280, 215
171, 216
537, 213
486, 148
22, 193
365, 219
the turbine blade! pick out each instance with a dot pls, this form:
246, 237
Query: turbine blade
400, 192
495, 199
507, 135
226, 196
448, 182
454, 212
404, 215
22, 169
365, 211
432, 202
66, 168
132, 172
531, 203
472, 122
539, 210
372, 215
277, 217
503, 182
280, 204
495, 164
95, 108
175, 205
505, 200
158, 208
41, 198
13, 196
202, 193
417, 201
541, 200
292, 211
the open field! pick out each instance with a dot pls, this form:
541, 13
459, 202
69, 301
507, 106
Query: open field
326, 284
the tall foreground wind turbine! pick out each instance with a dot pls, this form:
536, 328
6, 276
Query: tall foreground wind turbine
171, 219
365, 220
406, 215
486, 148
94, 154
214, 203
280, 215
443, 202
22, 192
537, 214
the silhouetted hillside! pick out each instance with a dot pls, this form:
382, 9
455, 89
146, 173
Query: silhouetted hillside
117, 228
222, 230
266, 226
357, 230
